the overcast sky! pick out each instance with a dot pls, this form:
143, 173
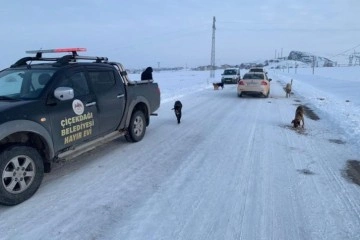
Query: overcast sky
178, 33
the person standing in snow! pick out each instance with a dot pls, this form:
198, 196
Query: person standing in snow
147, 74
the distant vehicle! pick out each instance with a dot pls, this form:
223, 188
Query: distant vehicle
56, 106
257, 69
254, 83
231, 75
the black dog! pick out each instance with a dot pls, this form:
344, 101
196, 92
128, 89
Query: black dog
177, 109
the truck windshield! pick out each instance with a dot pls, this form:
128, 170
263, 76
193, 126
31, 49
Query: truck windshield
24, 83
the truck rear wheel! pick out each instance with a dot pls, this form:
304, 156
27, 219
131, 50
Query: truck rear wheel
137, 127
21, 171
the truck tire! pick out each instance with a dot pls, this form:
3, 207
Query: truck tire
21, 171
137, 127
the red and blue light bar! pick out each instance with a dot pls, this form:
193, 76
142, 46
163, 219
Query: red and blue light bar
58, 50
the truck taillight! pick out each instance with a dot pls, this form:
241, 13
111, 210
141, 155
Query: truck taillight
241, 82
264, 83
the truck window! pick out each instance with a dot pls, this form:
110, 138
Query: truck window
76, 81
102, 80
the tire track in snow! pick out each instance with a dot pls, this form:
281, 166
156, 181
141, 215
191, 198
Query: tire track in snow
341, 197
248, 155
189, 164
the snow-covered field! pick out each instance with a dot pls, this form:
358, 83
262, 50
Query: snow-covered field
233, 169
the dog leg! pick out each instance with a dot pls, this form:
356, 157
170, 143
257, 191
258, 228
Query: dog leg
178, 117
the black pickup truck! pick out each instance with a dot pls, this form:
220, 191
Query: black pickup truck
59, 107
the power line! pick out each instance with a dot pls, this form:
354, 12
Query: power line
346, 51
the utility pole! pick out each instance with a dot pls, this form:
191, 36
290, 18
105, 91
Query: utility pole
351, 57
275, 53
313, 65
212, 70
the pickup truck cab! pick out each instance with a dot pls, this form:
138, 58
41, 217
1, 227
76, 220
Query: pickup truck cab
59, 107
231, 75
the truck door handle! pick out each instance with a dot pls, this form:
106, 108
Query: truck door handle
121, 96
90, 104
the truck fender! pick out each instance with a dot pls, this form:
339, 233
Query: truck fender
15, 126
139, 103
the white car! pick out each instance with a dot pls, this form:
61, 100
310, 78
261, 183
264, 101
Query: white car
231, 75
254, 83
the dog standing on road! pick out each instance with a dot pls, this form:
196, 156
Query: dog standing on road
217, 85
288, 88
299, 116
177, 109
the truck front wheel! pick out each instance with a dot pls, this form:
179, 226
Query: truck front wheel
137, 127
21, 171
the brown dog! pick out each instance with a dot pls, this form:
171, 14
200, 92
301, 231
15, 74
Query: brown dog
299, 116
217, 85
288, 88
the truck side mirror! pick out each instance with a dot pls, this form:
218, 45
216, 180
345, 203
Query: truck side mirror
64, 93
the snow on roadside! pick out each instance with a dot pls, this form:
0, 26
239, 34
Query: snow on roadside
331, 92
173, 86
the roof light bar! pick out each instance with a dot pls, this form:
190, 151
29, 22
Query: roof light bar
57, 50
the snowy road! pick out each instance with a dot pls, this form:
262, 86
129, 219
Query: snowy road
233, 169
